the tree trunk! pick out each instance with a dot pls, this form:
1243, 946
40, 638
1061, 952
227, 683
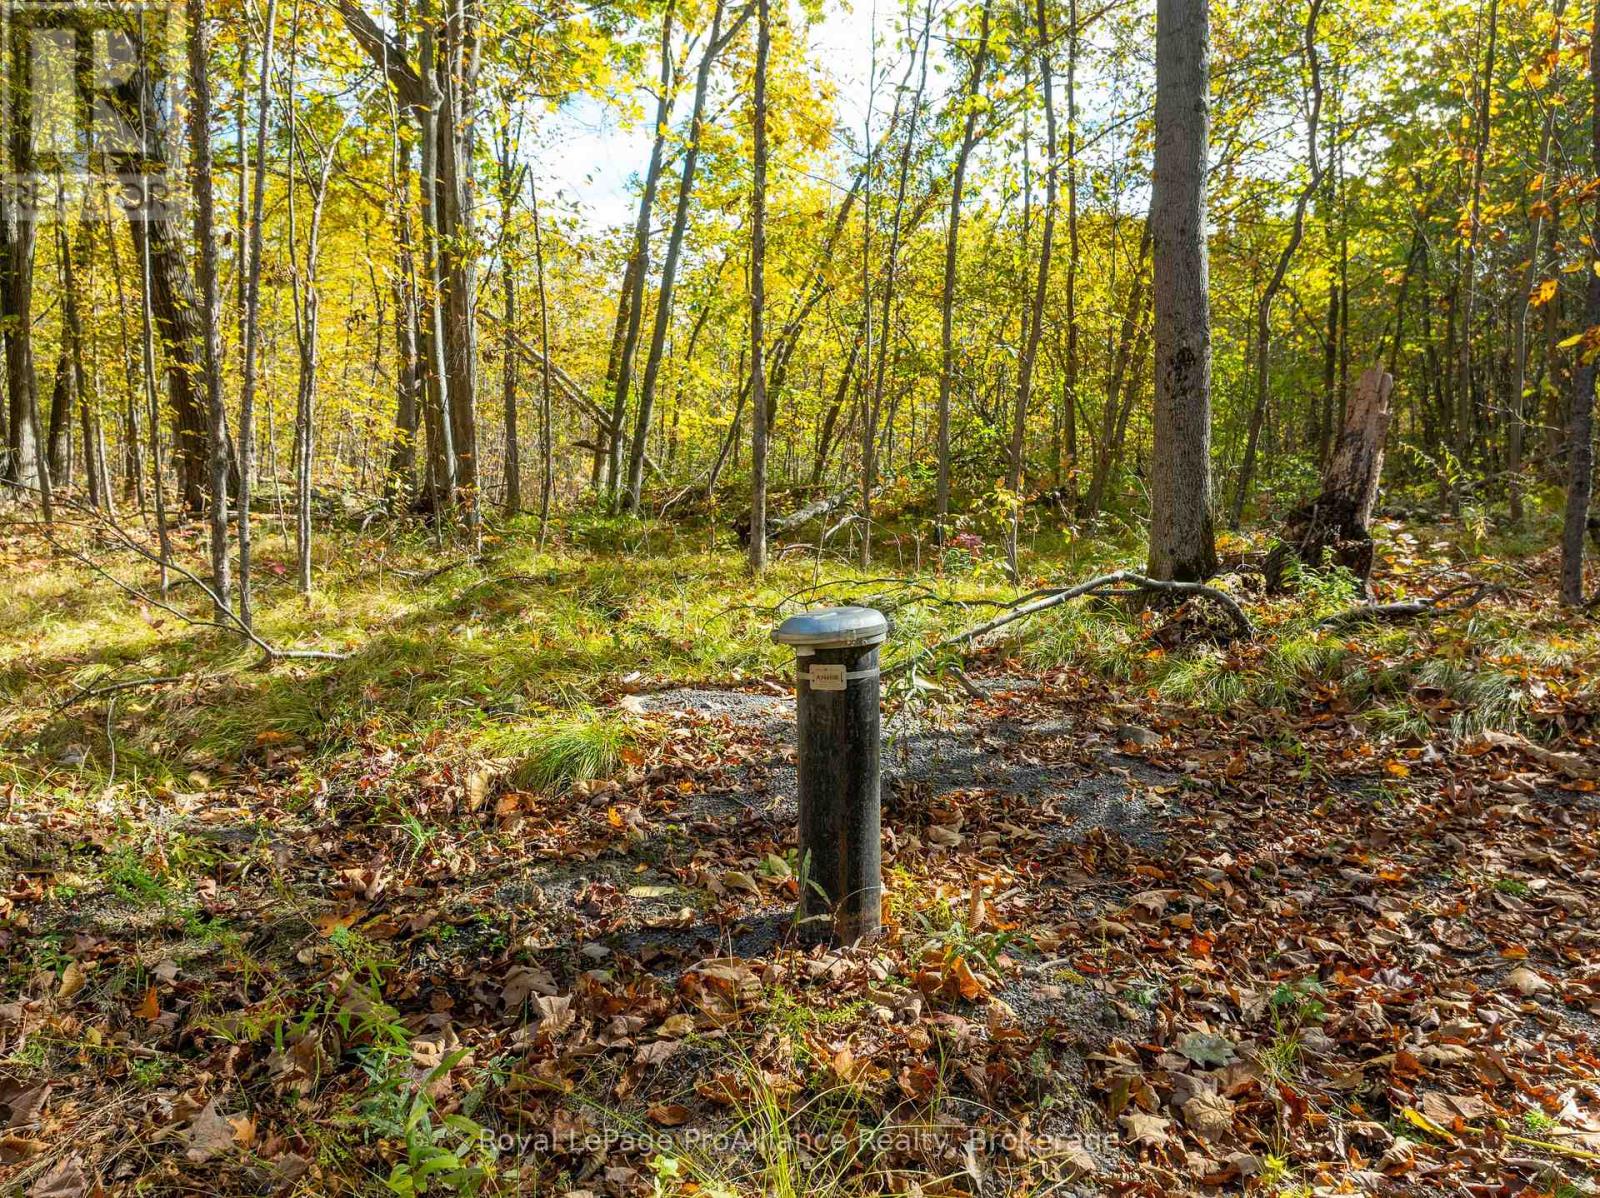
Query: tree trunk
1580, 421
456, 137
669, 265
952, 240
1280, 273
205, 236
1338, 521
1030, 350
1182, 541
400, 478
758, 296
508, 286
630, 307
24, 453
252, 314
1069, 387
546, 451
1465, 412
1519, 354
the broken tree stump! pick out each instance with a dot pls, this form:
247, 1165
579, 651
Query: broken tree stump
1334, 528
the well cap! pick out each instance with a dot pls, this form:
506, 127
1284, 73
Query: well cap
833, 627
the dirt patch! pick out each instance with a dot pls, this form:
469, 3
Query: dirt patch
931, 752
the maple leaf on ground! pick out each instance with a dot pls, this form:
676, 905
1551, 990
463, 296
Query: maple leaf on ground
1149, 1130
1208, 1115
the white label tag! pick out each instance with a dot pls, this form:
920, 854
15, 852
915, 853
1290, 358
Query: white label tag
826, 678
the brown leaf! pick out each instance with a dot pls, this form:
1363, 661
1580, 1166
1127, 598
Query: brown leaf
1150, 1130
73, 979
522, 982
668, 1114
210, 1132
1209, 1116
23, 1105
150, 1009
556, 1013
66, 1179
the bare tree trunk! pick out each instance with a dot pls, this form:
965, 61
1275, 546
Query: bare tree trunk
869, 432
457, 73
1519, 365
400, 477
153, 414
205, 236
509, 186
669, 266
630, 310
1464, 404
1339, 520
758, 296
1275, 283
18, 229
546, 451
1030, 350
1182, 541
952, 240
252, 314
1580, 421
1069, 387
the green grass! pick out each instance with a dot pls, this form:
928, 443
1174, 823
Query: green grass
504, 657
553, 755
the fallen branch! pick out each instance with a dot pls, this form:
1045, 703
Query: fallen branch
1412, 609
1119, 582
112, 688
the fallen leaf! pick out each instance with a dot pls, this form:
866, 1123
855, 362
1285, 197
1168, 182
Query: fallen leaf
1209, 1115
209, 1133
1150, 1130
1524, 981
65, 1179
1206, 1048
73, 979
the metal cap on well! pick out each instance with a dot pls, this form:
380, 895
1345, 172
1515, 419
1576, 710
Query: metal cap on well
833, 627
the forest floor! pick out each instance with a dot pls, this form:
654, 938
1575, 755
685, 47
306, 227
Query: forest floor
502, 902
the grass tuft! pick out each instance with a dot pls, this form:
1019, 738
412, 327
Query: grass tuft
558, 753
